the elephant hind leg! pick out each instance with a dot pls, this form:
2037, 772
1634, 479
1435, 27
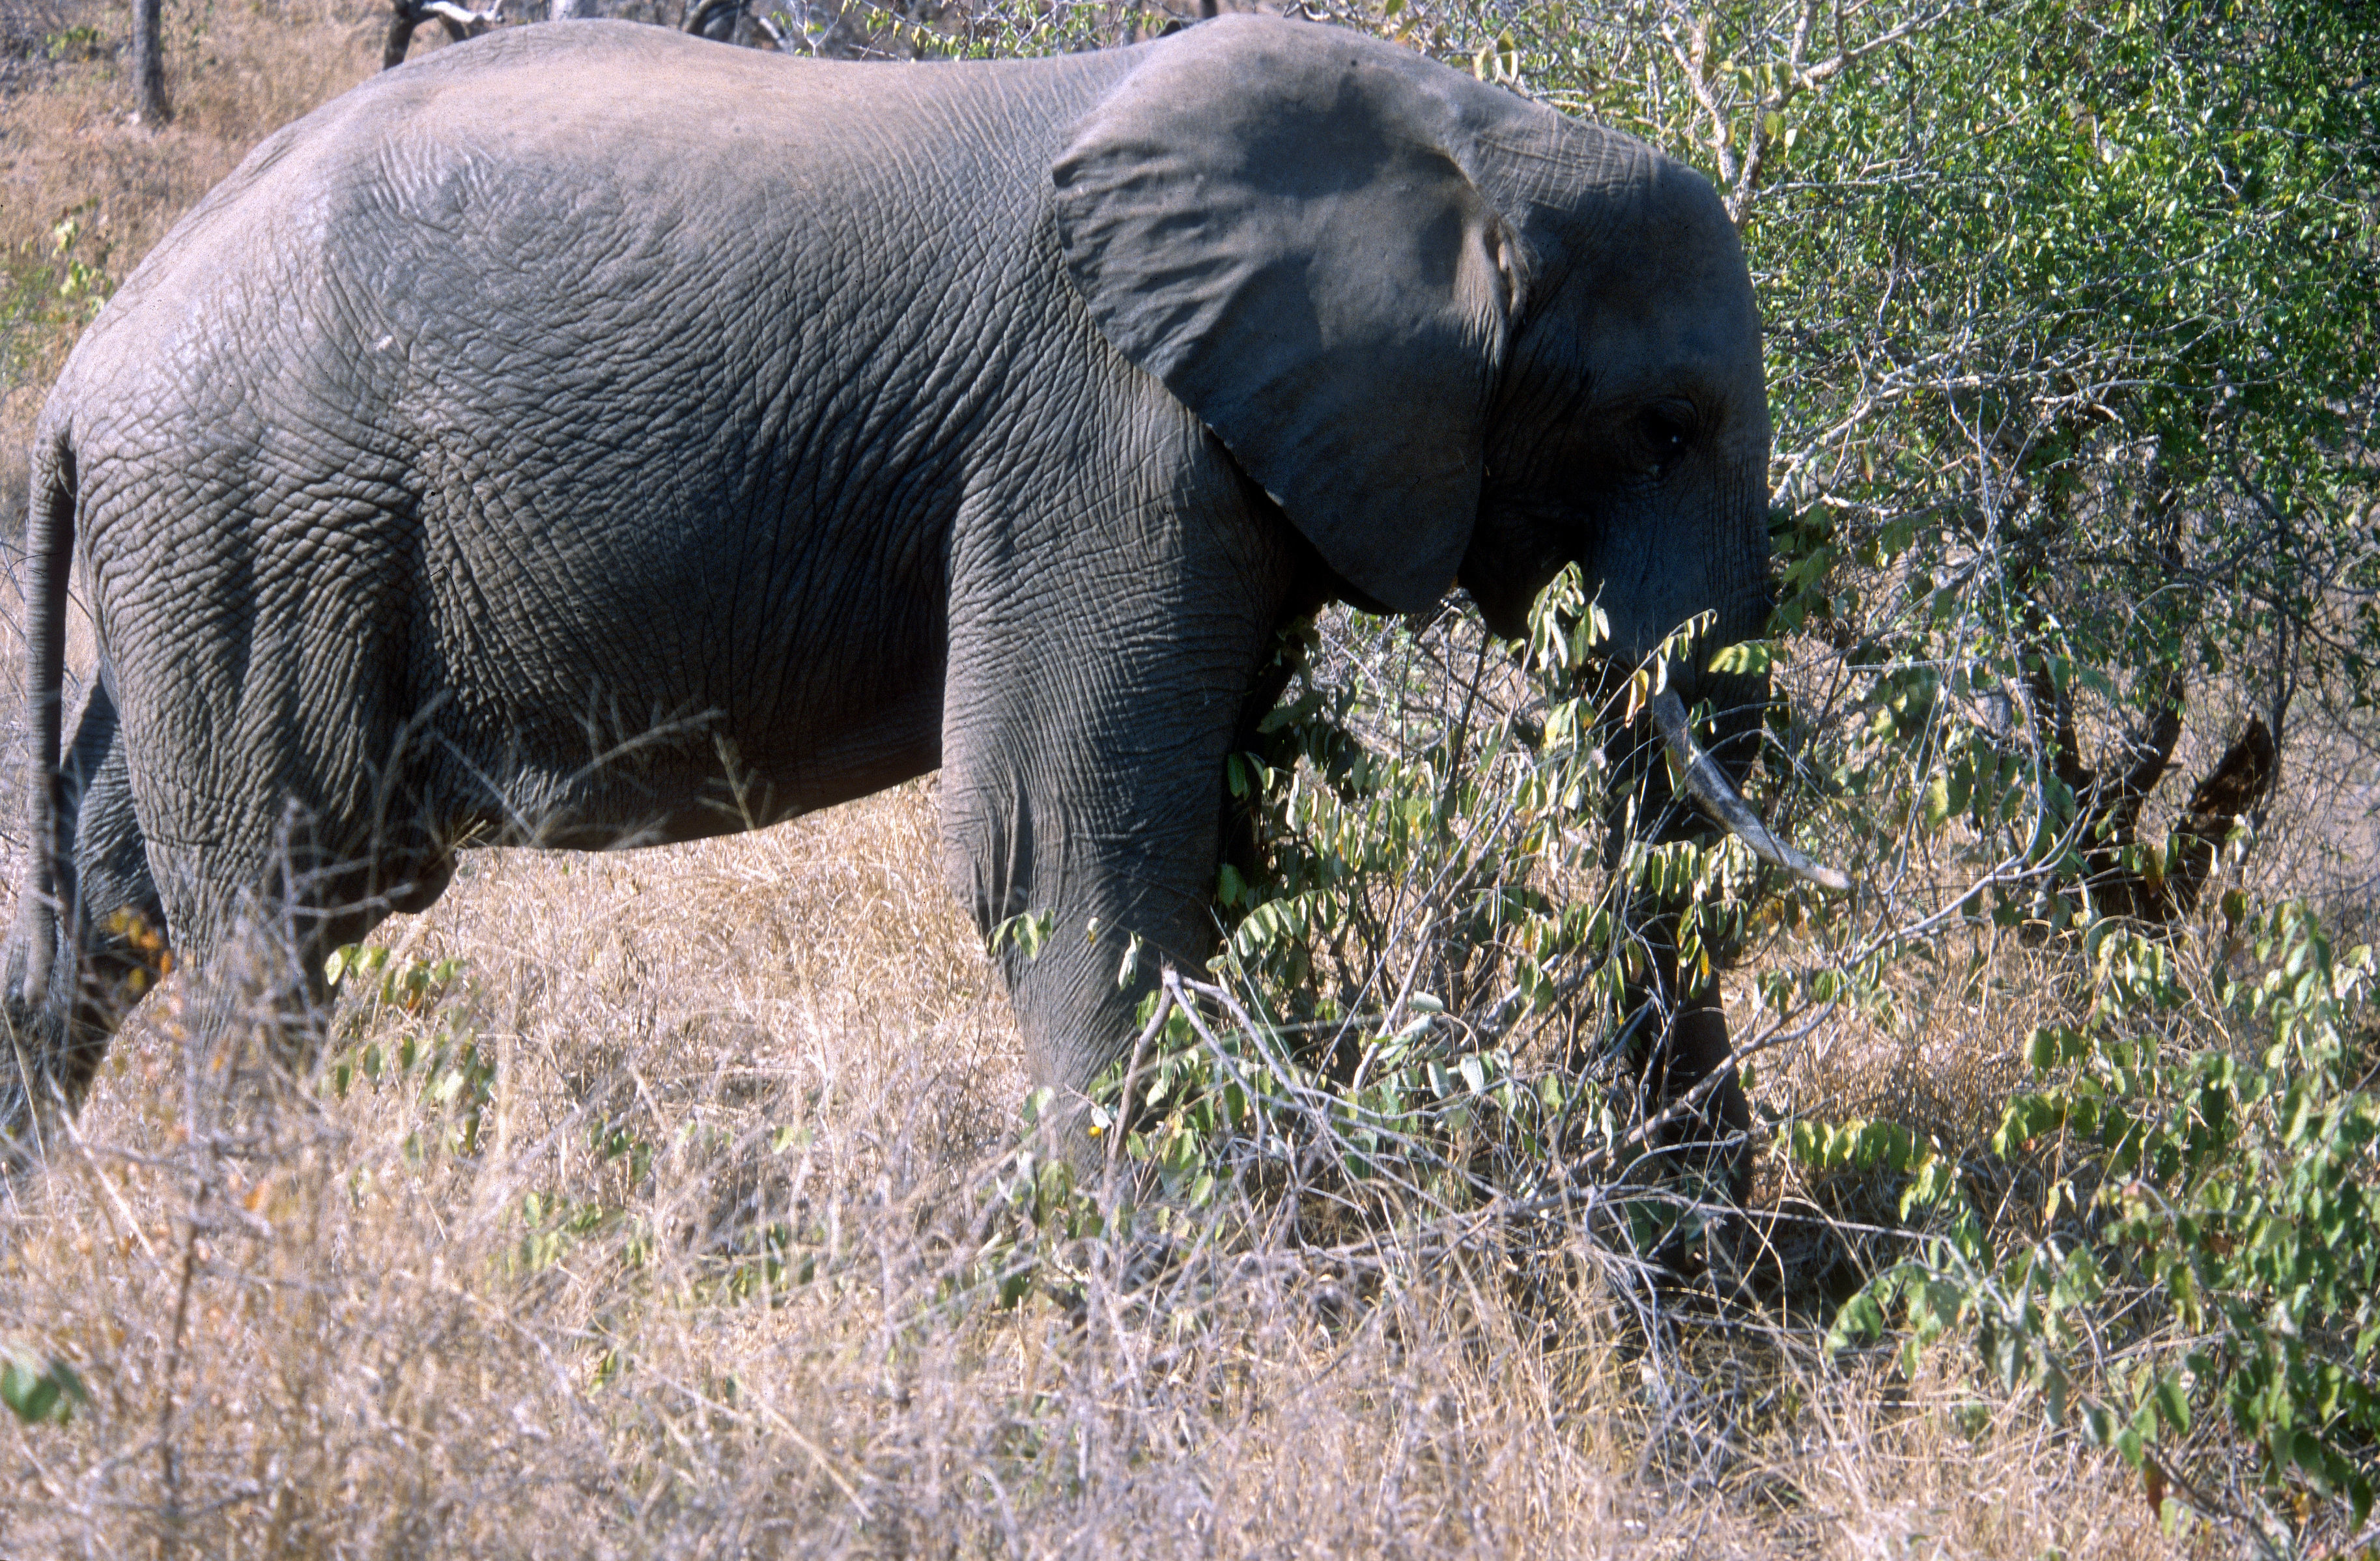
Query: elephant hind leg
256, 927
113, 947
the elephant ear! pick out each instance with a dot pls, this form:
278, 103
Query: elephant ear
1279, 221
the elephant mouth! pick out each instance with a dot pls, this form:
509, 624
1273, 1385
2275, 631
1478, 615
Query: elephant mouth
1710, 787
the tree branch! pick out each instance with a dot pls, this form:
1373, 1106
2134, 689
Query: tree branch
459, 22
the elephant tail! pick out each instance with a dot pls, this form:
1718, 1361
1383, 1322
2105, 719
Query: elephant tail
49, 556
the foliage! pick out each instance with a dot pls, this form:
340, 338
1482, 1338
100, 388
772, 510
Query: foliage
44, 293
1448, 799
2058, 486
2074, 319
1416, 1032
1452, 870
437, 1047
2075, 322
2207, 1241
74, 43
38, 1390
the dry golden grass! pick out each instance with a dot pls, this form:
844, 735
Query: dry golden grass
236, 70
316, 1335
311, 1324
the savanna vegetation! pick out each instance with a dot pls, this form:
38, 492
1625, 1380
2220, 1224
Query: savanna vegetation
677, 1201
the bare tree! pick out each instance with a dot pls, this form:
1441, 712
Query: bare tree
407, 15
148, 105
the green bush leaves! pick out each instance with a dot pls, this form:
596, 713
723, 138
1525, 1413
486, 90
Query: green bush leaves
37, 1391
2212, 1219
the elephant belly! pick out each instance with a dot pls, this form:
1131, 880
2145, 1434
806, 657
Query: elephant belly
662, 790
690, 691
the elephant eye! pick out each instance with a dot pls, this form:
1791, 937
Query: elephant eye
1667, 427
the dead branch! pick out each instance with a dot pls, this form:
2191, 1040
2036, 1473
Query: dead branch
1740, 173
460, 23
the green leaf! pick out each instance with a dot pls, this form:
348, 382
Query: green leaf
1750, 658
1938, 801
1857, 1320
36, 1393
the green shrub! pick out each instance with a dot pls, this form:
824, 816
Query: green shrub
2207, 1247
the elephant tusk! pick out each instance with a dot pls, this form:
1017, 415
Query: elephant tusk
1720, 798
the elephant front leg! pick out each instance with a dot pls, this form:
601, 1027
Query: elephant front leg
1091, 854
1083, 775
1675, 1022
1678, 1040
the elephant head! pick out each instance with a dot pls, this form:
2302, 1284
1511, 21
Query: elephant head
1454, 336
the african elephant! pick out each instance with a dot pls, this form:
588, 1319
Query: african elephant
505, 451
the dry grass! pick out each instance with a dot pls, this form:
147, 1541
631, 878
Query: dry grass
236, 70
309, 1329
311, 1324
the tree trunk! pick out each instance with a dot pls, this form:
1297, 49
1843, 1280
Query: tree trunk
148, 105
402, 20
704, 19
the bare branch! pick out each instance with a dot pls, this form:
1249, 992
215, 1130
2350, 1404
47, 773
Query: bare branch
460, 21
1817, 76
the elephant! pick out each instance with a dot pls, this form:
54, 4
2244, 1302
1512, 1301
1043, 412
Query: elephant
503, 452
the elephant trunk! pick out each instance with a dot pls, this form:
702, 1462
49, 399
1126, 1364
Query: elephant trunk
1724, 584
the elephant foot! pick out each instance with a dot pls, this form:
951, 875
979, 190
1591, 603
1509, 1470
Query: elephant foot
1711, 1138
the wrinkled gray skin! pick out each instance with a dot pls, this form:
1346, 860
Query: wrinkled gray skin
588, 434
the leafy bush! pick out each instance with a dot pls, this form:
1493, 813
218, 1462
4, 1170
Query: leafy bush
1416, 1037
2205, 1242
